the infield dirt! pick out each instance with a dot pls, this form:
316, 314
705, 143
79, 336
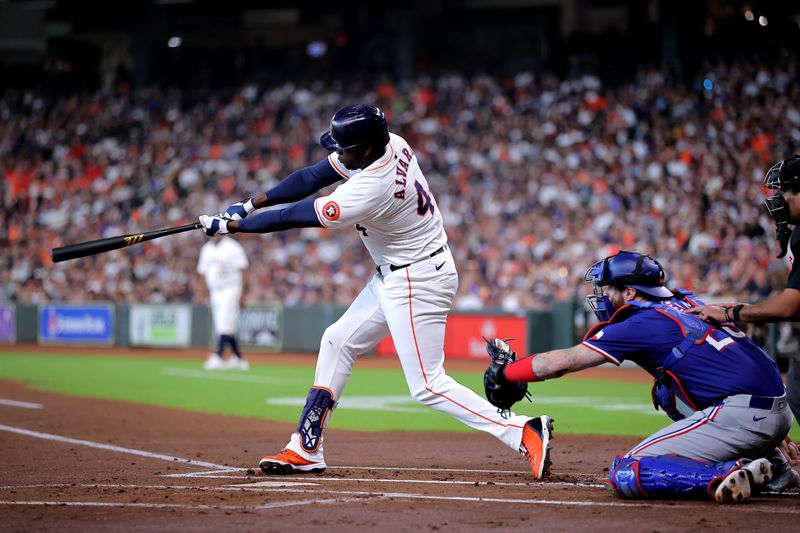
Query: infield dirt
376, 481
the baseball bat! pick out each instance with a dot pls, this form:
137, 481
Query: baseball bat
99, 246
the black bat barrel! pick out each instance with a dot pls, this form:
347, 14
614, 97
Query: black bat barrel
99, 246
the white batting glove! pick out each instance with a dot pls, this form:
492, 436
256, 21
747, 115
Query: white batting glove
214, 225
239, 210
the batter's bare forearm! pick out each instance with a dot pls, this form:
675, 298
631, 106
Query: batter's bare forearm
556, 363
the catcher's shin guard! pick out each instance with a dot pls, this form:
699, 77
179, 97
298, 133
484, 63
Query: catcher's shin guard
314, 418
667, 476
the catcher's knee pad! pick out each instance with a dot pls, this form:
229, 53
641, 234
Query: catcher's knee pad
314, 418
666, 476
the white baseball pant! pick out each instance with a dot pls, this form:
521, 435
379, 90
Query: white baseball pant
412, 304
225, 304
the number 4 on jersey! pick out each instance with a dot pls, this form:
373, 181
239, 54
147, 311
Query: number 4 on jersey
424, 202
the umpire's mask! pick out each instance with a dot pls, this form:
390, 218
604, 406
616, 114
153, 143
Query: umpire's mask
780, 177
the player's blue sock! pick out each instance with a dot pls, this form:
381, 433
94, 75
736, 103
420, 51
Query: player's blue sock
234, 346
229, 340
220, 344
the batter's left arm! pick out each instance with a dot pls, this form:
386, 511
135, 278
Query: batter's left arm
299, 184
299, 215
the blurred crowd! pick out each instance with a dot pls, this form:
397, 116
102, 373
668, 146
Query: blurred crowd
537, 177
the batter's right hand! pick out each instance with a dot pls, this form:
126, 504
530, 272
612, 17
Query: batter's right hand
214, 225
239, 210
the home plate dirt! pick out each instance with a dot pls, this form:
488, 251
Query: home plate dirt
77, 464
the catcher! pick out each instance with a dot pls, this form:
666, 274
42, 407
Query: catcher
723, 393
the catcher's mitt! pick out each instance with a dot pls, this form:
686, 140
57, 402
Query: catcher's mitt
500, 392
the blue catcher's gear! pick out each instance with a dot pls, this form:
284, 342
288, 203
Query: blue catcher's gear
356, 125
667, 476
312, 421
625, 269
664, 398
781, 177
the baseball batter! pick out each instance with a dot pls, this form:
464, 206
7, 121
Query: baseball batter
387, 200
222, 262
723, 392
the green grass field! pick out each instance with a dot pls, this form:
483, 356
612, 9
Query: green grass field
375, 399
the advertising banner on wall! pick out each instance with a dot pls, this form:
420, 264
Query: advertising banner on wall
464, 332
76, 324
261, 327
160, 325
8, 323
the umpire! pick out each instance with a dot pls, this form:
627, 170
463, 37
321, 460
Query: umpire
784, 208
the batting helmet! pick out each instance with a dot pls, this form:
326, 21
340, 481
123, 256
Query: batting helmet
625, 269
356, 125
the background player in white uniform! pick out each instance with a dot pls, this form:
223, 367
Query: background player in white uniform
222, 262
387, 199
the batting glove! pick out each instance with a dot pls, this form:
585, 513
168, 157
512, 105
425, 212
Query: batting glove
214, 225
239, 210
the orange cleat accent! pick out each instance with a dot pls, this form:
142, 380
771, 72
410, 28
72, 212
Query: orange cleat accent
536, 444
289, 462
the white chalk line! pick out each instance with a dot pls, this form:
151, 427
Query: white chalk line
214, 473
456, 482
111, 447
579, 484
360, 495
59, 438
208, 374
17, 403
189, 506
404, 403
388, 403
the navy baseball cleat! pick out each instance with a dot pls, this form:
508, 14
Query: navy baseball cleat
536, 444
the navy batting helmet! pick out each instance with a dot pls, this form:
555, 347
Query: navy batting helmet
626, 269
356, 125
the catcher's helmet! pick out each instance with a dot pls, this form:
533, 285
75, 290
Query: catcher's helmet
356, 125
625, 269
781, 177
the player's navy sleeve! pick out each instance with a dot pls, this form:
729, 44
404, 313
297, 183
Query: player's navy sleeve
299, 215
303, 183
638, 338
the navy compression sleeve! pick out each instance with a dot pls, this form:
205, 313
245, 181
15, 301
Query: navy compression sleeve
303, 183
299, 215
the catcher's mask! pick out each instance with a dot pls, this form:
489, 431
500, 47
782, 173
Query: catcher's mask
781, 177
624, 269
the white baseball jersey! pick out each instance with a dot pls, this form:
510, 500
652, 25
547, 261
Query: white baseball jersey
390, 204
221, 262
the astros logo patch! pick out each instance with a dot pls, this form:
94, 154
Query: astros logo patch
331, 210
